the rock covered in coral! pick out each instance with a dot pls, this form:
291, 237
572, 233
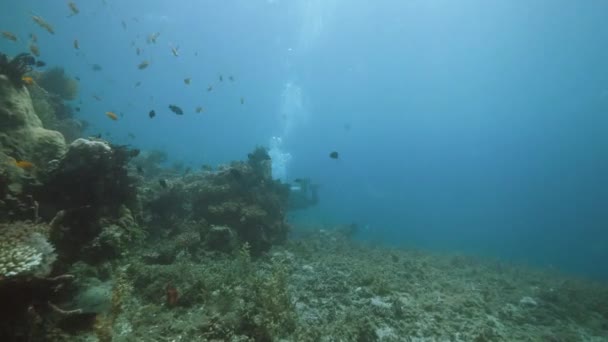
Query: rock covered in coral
90, 197
240, 200
22, 136
92, 173
25, 250
220, 238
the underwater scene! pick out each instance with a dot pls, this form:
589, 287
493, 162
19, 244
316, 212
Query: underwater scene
303, 170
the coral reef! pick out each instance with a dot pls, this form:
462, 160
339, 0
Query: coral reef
241, 198
21, 133
57, 82
14, 69
22, 139
25, 250
90, 198
56, 114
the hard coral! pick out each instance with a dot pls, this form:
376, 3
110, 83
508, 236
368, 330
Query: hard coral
25, 250
15, 68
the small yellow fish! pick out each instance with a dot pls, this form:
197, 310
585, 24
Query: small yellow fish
35, 50
143, 65
112, 115
73, 8
38, 20
76, 44
27, 80
9, 35
187, 80
199, 109
25, 165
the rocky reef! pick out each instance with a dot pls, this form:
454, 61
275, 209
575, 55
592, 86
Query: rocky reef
235, 204
101, 242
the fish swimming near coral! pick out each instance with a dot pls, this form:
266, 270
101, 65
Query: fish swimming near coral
27, 80
33, 38
163, 183
73, 8
25, 165
9, 35
175, 109
143, 65
96, 67
112, 115
42, 23
40, 64
152, 114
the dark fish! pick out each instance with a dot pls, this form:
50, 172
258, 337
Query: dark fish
152, 114
242, 100
96, 67
137, 84
40, 64
221, 78
29, 59
77, 109
131, 135
163, 183
143, 65
124, 25
210, 88
140, 170
175, 109
231, 78
334, 155
77, 78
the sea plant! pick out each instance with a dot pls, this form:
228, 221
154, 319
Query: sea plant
16, 68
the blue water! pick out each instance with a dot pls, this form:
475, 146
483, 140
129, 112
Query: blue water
474, 126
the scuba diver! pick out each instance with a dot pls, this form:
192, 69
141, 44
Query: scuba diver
303, 194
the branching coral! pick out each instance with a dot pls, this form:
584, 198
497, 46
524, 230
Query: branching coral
15, 68
57, 82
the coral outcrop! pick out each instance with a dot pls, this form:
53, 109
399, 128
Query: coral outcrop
90, 198
27, 150
237, 203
